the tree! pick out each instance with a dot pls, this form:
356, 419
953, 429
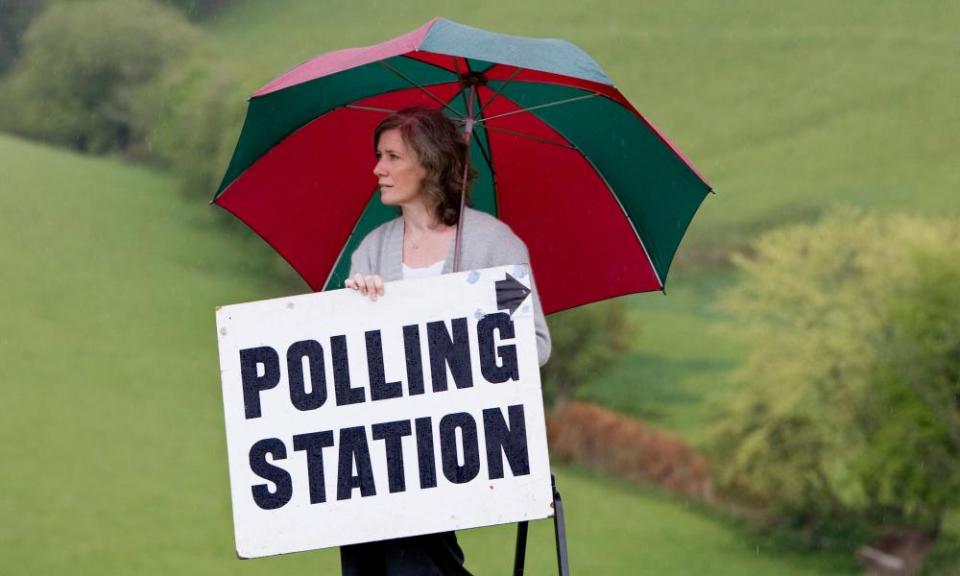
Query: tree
15, 18
915, 410
188, 119
849, 398
198, 9
85, 64
585, 341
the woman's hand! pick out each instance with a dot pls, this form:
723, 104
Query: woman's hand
371, 286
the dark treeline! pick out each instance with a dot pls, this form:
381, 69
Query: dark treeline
129, 77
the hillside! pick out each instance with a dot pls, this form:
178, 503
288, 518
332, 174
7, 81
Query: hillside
114, 459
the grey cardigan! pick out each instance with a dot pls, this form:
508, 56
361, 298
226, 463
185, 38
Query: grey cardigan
487, 242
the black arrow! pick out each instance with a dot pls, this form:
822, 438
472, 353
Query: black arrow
510, 294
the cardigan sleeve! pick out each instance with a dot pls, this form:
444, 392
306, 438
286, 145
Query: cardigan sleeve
489, 242
359, 261
539, 320
364, 257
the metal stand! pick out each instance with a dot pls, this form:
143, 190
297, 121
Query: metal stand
519, 556
560, 531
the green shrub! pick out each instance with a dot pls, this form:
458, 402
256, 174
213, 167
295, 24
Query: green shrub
603, 440
85, 65
15, 18
850, 397
585, 342
197, 9
910, 465
188, 120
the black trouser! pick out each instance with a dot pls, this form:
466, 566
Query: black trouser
428, 555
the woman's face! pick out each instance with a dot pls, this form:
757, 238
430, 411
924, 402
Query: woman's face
398, 170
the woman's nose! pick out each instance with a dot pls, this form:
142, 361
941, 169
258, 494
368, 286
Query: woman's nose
378, 170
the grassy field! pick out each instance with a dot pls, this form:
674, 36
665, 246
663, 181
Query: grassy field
789, 110
114, 454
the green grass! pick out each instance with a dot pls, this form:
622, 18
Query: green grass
676, 369
617, 528
114, 454
788, 111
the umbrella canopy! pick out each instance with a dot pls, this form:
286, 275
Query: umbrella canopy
599, 195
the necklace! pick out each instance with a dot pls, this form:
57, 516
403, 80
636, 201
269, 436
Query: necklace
415, 244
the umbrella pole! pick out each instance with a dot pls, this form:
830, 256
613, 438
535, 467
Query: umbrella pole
468, 135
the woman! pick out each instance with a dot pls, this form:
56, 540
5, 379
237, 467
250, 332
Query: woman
420, 169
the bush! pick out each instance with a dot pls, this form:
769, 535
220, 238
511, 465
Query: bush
608, 442
585, 341
197, 9
86, 64
915, 406
15, 18
188, 120
849, 405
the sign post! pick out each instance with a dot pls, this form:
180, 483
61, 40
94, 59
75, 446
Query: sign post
353, 421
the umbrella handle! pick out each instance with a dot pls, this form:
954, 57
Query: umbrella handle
468, 131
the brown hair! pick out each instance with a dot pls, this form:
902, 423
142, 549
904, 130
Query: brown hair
441, 149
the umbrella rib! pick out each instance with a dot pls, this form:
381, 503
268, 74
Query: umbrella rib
369, 108
531, 137
539, 106
626, 215
498, 92
483, 151
421, 88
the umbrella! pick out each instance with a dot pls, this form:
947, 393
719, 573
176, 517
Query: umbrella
599, 195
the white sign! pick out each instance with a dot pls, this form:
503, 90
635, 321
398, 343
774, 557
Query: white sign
352, 421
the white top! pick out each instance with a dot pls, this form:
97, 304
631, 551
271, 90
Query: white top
434, 269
